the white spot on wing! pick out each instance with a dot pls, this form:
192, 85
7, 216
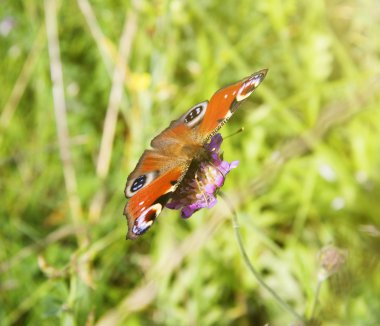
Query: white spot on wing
172, 188
228, 115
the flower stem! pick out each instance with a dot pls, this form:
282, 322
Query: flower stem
252, 269
317, 291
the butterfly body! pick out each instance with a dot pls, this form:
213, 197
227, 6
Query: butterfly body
161, 169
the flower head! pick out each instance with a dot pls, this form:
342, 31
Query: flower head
331, 260
201, 183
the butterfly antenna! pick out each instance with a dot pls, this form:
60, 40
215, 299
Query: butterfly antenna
235, 133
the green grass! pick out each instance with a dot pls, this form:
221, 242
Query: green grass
308, 175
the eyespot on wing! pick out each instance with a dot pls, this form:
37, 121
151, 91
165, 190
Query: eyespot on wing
195, 114
250, 84
144, 221
135, 184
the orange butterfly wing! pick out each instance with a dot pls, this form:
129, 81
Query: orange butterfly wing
225, 102
143, 208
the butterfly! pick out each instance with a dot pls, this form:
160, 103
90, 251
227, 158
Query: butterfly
161, 169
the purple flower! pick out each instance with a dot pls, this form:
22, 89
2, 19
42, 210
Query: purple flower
201, 183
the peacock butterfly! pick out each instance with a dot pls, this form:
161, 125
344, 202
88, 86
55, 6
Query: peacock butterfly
162, 171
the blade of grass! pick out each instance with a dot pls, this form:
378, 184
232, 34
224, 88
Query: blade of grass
105, 46
108, 135
22, 80
115, 99
60, 110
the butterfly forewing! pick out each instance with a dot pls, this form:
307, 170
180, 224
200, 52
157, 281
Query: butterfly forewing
225, 102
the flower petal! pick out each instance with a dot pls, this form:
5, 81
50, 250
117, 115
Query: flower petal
234, 164
212, 203
187, 211
210, 188
214, 145
219, 180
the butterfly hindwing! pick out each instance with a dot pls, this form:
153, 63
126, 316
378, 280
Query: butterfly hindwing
149, 194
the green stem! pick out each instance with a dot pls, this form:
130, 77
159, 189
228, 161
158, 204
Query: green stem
252, 269
317, 290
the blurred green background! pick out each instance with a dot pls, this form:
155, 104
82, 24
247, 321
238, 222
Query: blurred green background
86, 84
